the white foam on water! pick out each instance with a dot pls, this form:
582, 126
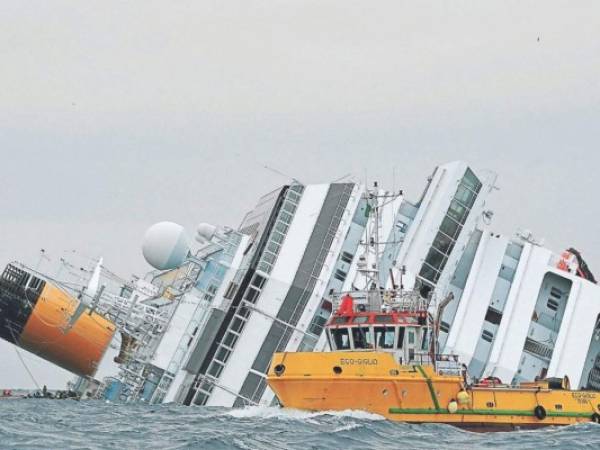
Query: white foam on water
349, 427
269, 412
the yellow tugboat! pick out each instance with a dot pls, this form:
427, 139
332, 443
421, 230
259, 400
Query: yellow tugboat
383, 362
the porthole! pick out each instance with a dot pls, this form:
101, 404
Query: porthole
337, 370
279, 369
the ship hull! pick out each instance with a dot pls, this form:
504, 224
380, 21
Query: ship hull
374, 382
35, 315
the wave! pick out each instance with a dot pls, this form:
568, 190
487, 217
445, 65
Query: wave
274, 412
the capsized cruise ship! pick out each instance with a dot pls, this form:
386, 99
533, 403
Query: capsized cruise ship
201, 329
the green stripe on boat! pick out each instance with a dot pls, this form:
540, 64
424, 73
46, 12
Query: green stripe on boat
430, 386
487, 412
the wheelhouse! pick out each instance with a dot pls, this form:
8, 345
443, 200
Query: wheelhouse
402, 333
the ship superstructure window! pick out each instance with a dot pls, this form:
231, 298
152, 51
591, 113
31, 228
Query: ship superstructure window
450, 228
471, 181
487, 336
444, 244
347, 257
34, 283
444, 326
493, 316
552, 304
341, 338
280, 229
340, 275
385, 337
362, 337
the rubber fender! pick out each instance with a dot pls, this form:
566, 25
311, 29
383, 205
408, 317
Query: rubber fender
452, 407
463, 398
540, 412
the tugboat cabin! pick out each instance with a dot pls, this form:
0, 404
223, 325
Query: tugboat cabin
403, 333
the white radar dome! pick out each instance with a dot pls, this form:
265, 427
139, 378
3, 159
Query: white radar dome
165, 245
205, 232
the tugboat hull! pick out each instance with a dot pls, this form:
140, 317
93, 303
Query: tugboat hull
372, 381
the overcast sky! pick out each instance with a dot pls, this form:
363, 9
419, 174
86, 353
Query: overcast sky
116, 115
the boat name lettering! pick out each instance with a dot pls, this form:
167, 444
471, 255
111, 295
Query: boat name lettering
358, 362
584, 397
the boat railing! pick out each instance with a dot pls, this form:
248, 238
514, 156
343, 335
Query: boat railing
385, 300
445, 364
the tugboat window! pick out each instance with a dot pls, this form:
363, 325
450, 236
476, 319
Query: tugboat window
338, 320
385, 337
384, 319
400, 337
360, 319
362, 338
341, 338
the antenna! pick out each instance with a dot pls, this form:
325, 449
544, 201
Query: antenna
279, 172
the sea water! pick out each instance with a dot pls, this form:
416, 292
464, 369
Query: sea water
65, 424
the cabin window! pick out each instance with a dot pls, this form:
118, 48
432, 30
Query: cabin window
384, 319
450, 227
458, 212
411, 337
277, 237
465, 196
340, 275
424, 340
435, 259
444, 326
341, 338
555, 292
362, 337
471, 181
487, 336
34, 283
552, 304
401, 226
400, 337
493, 316
429, 273
360, 319
443, 243
385, 337
339, 319
347, 257
251, 295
